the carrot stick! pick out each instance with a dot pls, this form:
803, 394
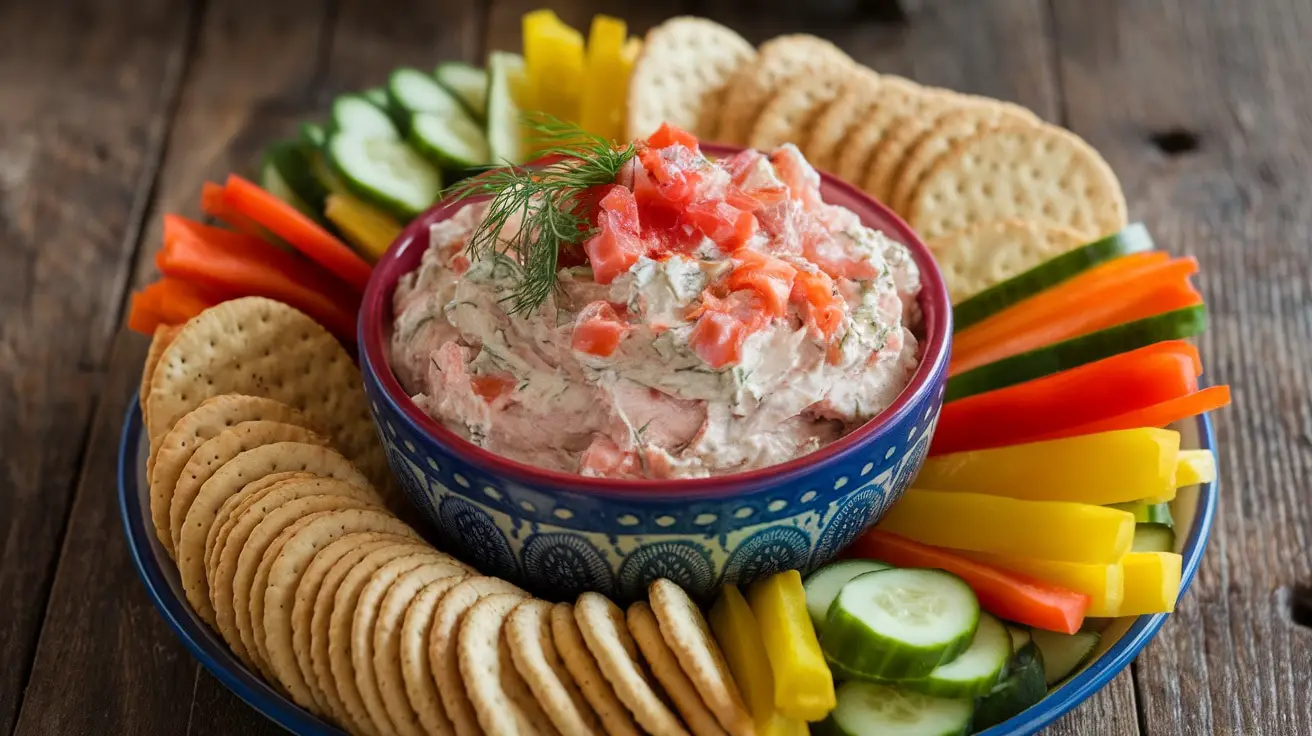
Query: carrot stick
213, 204
1156, 415
169, 301
299, 231
1089, 393
1133, 292
143, 313
1006, 594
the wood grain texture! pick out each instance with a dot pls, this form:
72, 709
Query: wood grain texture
1238, 79
81, 121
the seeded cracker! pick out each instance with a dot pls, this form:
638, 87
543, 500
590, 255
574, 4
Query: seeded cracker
582, 666
994, 251
442, 647
416, 670
778, 61
686, 632
680, 75
665, 666
503, 702
528, 634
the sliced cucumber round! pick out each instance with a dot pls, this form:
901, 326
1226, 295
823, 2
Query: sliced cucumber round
505, 134
871, 709
899, 623
452, 141
822, 586
385, 172
356, 115
1022, 688
1153, 537
410, 91
1020, 636
313, 136
1133, 239
1177, 324
289, 162
376, 95
465, 82
1064, 653
975, 671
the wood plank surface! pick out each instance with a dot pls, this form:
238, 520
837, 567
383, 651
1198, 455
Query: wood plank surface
1202, 108
82, 118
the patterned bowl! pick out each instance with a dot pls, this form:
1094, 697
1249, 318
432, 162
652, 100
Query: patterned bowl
559, 534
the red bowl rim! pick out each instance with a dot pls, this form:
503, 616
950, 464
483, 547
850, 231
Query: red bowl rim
936, 314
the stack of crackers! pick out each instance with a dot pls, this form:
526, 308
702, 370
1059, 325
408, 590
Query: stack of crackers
264, 472
967, 172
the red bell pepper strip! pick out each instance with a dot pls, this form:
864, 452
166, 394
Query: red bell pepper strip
169, 301
1003, 593
1157, 415
212, 203
1051, 406
299, 231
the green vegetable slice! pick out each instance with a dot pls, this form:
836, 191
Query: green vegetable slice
1153, 538
451, 141
1173, 325
376, 95
358, 116
385, 172
871, 709
287, 164
975, 671
1148, 513
1133, 239
822, 586
467, 83
505, 137
313, 136
1022, 688
1020, 636
1064, 653
410, 91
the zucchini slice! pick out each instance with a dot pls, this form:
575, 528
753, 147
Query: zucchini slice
385, 172
1022, 688
467, 83
1064, 653
822, 586
871, 709
451, 141
1133, 239
1176, 324
505, 134
358, 116
975, 671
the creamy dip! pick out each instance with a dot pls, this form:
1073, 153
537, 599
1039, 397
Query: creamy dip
731, 322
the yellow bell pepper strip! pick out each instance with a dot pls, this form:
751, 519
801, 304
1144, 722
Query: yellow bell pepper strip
606, 81
367, 228
803, 685
1104, 468
1104, 584
739, 636
1048, 530
553, 55
1194, 467
1152, 583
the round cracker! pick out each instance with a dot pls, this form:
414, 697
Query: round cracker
262, 347
582, 666
160, 340
894, 98
416, 670
836, 121
685, 631
230, 478
236, 503
1039, 173
949, 129
303, 541
442, 650
502, 701
992, 252
607, 636
778, 61
793, 108
902, 132
680, 75
528, 634
365, 619
389, 629
665, 667
322, 579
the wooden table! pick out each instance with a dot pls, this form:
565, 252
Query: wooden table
115, 111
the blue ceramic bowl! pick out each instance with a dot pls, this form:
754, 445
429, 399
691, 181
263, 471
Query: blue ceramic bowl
559, 534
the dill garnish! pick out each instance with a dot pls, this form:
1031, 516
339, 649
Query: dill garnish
535, 213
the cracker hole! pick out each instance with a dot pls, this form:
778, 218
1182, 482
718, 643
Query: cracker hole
1176, 141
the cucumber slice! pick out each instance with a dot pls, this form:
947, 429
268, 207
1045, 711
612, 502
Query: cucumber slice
871, 709
288, 162
467, 83
1148, 513
505, 135
376, 95
1153, 537
358, 116
1064, 653
899, 623
385, 172
822, 586
452, 141
1022, 688
273, 182
313, 136
323, 173
1020, 636
410, 92
1133, 239
1176, 324
975, 671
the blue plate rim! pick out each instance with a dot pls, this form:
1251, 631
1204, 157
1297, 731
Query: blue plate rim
255, 692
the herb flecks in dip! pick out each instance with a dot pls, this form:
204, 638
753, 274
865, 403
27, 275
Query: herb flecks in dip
720, 318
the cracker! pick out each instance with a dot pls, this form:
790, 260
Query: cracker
287, 561
231, 477
680, 75
369, 558
992, 252
895, 97
902, 132
261, 347
665, 667
164, 335
416, 670
685, 631
607, 636
442, 649
778, 60
1042, 173
582, 666
528, 634
503, 702
387, 635
836, 121
793, 108
236, 504
951, 128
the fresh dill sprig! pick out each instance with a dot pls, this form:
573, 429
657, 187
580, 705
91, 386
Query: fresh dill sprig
535, 213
